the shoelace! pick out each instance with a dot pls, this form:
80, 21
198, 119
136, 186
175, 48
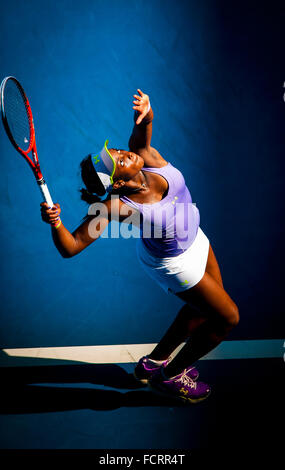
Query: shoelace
186, 380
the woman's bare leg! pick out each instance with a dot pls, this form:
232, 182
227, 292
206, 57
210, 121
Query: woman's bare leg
206, 318
186, 322
188, 319
222, 315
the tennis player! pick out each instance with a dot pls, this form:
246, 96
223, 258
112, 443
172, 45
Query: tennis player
181, 261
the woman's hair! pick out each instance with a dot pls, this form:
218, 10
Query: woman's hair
91, 181
88, 197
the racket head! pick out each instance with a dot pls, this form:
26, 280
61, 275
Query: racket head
19, 125
17, 115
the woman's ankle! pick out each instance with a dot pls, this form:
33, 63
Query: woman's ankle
158, 359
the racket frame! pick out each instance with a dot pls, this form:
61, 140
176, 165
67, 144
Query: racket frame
34, 161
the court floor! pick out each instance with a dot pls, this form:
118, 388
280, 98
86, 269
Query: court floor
101, 406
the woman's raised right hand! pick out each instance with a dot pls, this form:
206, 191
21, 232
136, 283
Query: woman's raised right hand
50, 216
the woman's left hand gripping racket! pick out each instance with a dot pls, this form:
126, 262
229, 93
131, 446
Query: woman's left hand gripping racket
18, 122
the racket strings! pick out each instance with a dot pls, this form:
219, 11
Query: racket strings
17, 115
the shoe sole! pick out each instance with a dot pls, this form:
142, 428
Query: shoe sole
185, 400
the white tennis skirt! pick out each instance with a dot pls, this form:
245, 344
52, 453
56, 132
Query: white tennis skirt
178, 273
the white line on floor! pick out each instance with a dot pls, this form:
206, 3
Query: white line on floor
130, 353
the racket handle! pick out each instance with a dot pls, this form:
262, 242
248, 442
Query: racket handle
45, 192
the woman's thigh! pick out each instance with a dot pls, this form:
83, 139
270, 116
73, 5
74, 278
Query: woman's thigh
209, 295
213, 268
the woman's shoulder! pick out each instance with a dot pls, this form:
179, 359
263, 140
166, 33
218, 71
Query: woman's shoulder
152, 158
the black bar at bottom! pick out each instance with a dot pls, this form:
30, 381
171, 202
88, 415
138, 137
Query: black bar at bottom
124, 458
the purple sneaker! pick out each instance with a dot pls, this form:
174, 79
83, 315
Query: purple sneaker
145, 369
182, 386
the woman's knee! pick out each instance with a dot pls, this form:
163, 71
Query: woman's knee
190, 317
232, 316
213, 301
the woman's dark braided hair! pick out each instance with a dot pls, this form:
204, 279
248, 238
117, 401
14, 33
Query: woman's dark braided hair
91, 181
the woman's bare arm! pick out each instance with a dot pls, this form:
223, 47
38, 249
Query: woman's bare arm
70, 244
140, 139
100, 214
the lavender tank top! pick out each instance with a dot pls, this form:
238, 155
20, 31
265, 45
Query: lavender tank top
168, 227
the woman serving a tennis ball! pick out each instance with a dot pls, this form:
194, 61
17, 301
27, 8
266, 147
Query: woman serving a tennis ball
181, 261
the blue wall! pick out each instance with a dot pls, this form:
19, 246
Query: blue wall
214, 74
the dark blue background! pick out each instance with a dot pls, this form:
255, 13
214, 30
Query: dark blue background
215, 76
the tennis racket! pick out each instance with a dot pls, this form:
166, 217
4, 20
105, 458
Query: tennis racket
19, 125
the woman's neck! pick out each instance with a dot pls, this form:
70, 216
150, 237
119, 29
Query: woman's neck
137, 184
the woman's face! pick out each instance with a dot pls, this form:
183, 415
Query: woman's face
128, 164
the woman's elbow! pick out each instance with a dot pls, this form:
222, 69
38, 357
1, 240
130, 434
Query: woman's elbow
67, 254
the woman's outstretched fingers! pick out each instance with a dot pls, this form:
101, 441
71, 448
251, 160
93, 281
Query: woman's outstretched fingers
141, 105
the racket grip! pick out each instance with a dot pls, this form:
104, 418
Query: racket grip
45, 193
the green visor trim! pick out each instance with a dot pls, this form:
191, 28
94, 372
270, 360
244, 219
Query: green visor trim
114, 163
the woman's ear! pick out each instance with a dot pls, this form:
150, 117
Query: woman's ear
118, 184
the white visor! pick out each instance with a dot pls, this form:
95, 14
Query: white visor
105, 166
